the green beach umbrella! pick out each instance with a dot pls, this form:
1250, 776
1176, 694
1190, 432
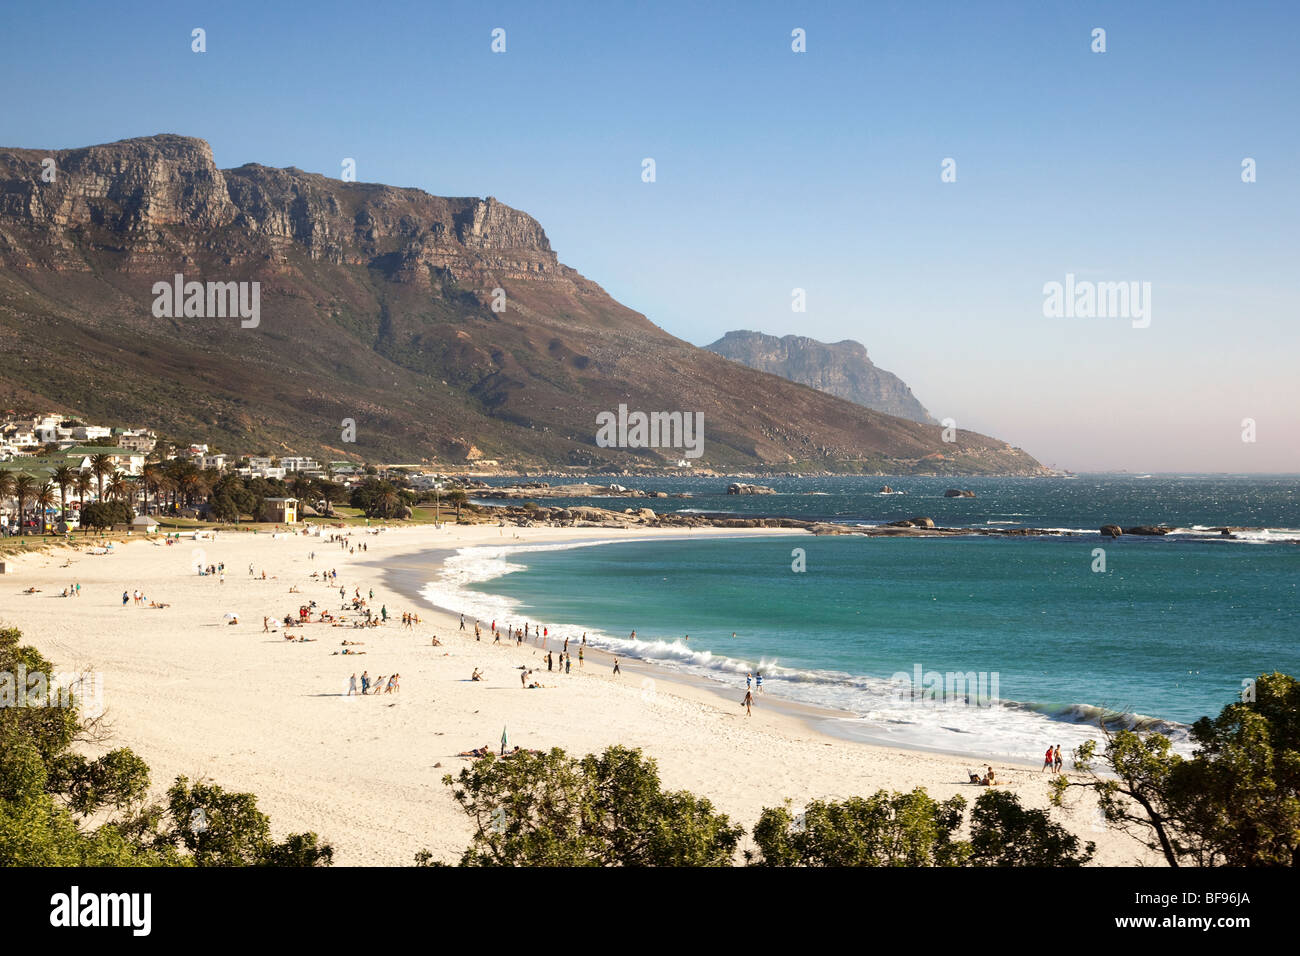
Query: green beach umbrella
503, 740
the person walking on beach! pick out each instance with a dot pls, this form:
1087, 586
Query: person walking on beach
758, 681
1048, 759
580, 664
748, 703
462, 622
616, 670
1057, 761
365, 682
352, 685
548, 661
749, 682
568, 663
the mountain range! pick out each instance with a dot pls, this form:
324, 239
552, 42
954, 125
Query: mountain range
445, 328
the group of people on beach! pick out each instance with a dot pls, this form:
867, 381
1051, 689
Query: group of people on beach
393, 685
1052, 759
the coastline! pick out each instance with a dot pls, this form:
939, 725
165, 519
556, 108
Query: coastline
254, 712
821, 720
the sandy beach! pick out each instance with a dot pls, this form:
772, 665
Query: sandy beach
195, 695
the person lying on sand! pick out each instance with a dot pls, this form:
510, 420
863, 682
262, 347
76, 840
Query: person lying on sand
159, 604
350, 643
32, 591
476, 752
346, 651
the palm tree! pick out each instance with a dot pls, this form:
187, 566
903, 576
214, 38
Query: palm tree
24, 487
82, 486
101, 465
43, 499
459, 499
192, 485
64, 476
152, 477
120, 486
6, 485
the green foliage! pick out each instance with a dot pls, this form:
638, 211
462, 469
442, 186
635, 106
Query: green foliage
378, 499
1003, 833
608, 810
105, 514
1235, 803
49, 791
1240, 794
886, 829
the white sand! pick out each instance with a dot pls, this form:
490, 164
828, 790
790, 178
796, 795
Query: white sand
252, 712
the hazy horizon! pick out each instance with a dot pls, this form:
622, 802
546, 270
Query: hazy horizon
817, 170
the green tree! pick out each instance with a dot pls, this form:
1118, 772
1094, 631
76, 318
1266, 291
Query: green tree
43, 499
535, 809
24, 488
1003, 833
1235, 802
459, 500
886, 829
101, 465
65, 476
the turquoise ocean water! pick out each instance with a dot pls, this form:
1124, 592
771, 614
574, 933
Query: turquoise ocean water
974, 645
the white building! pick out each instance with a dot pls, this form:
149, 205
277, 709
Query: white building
299, 464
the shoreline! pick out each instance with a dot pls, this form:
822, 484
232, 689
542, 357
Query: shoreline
818, 719
254, 712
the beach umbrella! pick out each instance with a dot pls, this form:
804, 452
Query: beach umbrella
230, 616
503, 740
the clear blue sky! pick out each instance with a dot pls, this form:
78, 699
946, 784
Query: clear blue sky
819, 170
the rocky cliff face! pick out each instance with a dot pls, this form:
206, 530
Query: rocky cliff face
843, 369
376, 306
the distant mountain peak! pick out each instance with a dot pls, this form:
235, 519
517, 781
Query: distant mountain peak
843, 369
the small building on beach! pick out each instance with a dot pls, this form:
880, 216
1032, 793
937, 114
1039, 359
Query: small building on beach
280, 510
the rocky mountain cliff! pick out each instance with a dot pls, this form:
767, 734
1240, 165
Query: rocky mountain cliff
377, 305
843, 369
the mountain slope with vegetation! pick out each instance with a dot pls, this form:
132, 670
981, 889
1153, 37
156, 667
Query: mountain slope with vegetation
376, 305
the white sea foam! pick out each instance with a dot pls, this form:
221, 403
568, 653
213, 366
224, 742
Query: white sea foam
1005, 729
